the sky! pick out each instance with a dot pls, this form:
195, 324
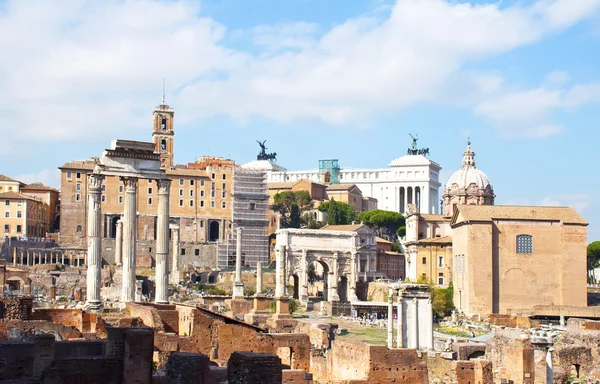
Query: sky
317, 79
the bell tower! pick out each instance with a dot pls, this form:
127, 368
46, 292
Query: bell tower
162, 132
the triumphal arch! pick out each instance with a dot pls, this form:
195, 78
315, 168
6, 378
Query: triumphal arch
344, 253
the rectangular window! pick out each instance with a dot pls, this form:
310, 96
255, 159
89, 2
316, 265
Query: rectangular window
252, 206
103, 187
78, 187
441, 279
191, 203
212, 186
149, 201
441, 262
7, 214
201, 223
19, 214
224, 194
202, 193
224, 186
180, 181
213, 176
212, 204
120, 199
77, 197
524, 244
202, 183
424, 260
6, 202
223, 204
120, 189
149, 191
197, 252
181, 192
181, 203
191, 192
182, 251
103, 198
202, 203
78, 175
224, 177
6, 228
19, 228
69, 174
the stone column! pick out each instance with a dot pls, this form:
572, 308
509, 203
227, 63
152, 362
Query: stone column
303, 291
63, 258
93, 301
549, 367
238, 285
28, 259
414, 342
279, 260
390, 319
15, 256
129, 239
162, 243
400, 322
119, 244
45, 257
259, 276
333, 296
426, 326
352, 283
176, 252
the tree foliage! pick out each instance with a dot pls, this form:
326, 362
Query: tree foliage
388, 222
442, 299
290, 205
343, 213
593, 254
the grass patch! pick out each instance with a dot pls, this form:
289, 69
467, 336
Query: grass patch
369, 335
453, 332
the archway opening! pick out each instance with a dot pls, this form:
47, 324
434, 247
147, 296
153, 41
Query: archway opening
342, 288
213, 231
318, 280
294, 286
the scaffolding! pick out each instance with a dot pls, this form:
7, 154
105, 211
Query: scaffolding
250, 207
331, 166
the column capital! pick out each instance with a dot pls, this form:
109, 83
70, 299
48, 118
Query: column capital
164, 186
239, 230
304, 252
335, 254
95, 182
130, 183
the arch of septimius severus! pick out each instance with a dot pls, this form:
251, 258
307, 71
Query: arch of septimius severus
130, 161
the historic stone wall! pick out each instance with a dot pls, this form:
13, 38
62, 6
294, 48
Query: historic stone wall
16, 307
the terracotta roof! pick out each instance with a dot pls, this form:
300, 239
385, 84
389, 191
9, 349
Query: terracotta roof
281, 185
510, 212
80, 164
341, 187
428, 217
38, 187
380, 240
347, 227
15, 196
436, 240
6, 178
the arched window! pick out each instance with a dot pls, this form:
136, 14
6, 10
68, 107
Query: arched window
163, 124
79, 229
524, 244
163, 145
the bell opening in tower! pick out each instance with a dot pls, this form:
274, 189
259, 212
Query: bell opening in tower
163, 124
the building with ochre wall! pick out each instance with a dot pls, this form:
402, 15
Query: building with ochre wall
508, 259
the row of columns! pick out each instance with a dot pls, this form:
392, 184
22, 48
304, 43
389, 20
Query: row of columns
28, 257
125, 249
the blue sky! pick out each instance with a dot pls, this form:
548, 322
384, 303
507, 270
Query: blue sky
316, 79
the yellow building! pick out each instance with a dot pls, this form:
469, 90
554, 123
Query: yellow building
200, 196
10, 185
434, 260
50, 197
22, 215
508, 259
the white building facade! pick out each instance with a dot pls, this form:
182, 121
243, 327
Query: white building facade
410, 179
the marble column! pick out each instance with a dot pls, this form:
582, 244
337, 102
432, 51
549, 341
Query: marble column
400, 322
333, 296
303, 291
390, 319
63, 258
238, 285
119, 243
414, 342
352, 283
93, 301
27, 253
176, 252
549, 367
15, 256
162, 243
129, 239
259, 277
279, 260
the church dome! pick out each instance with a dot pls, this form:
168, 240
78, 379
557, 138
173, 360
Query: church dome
469, 175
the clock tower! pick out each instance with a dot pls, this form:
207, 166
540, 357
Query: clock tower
163, 134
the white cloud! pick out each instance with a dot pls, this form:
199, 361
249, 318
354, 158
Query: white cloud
90, 69
48, 177
578, 201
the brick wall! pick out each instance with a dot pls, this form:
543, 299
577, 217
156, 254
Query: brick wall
252, 368
66, 317
15, 308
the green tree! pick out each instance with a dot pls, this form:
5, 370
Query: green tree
384, 222
593, 254
346, 212
290, 205
333, 213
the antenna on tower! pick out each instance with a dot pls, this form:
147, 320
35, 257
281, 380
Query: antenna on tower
163, 95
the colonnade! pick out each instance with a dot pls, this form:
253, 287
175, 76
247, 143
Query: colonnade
125, 249
29, 256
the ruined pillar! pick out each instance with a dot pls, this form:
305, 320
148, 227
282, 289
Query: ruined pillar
129, 239
303, 291
28, 259
549, 367
176, 251
279, 260
162, 243
119, 243
390, 319
400, 322
15, 256
414, 326
426, 326
333, 293
352, 283
93, 301
238, 285
62, 258
259, 285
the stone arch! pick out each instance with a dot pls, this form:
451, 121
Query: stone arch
324, 276
295, 280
